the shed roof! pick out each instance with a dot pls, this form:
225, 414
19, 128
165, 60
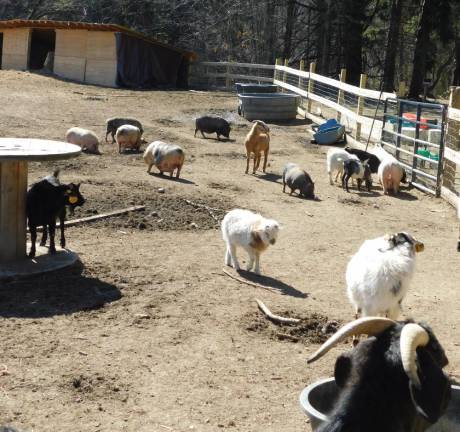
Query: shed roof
75, 25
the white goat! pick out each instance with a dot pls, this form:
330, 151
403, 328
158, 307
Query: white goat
252, 232
378, 275
335, 159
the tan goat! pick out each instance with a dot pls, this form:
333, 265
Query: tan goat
257, 141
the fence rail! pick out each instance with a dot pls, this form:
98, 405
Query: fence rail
360, 109
354, 106
224, 75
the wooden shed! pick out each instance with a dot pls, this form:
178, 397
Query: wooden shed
103, 54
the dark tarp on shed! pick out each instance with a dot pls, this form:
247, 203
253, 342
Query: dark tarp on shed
141, 64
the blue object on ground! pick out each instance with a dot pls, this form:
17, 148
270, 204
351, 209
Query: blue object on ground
329, 132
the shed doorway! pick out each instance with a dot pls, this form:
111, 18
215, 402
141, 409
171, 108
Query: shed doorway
1, 49
42, 46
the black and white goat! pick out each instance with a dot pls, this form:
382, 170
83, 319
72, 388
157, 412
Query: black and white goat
391, 382
47, 201
379, 274
355, 169
372, 159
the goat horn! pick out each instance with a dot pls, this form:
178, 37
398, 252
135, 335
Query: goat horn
366, 325
412, 336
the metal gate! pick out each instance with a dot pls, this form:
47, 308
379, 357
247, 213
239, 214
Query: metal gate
413, 132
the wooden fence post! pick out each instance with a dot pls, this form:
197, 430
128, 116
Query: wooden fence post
310, 84
452, 141
301, 68
359, 111
402, 89
286, 64
227, 78
277, 63
340, 98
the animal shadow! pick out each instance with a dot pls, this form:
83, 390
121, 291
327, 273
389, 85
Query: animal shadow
403, 195
371, 194
61, 292
271, 177
131, 152
222, 140
272, 283
174, 179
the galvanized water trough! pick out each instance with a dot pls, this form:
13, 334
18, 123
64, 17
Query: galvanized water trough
255, 88
268, 106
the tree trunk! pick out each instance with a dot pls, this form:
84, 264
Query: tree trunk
323, 25
392, 45
456, 77
421, 48
354, 17
290, 20
270, 32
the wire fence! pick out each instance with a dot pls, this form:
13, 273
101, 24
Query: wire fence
224, 75
358, 108
424, 137
413, 132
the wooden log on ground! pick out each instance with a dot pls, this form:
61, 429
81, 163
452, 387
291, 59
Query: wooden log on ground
73, 222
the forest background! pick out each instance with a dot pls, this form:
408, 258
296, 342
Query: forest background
389, 40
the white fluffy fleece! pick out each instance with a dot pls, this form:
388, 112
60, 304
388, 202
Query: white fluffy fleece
378, 275
334, 161
252, 232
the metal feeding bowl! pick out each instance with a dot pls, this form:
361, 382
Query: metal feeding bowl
318, 399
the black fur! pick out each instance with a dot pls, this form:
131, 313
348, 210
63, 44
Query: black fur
216, 125
45, 203
352, 167
372, 159
114, 123
375, 392
298, 179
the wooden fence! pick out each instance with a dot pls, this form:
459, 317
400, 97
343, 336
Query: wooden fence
324, 97
451, 164
224, 75
360, 109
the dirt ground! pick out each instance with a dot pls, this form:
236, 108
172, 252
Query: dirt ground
148, 333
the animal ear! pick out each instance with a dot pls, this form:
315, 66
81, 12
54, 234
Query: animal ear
342, 369
433, 396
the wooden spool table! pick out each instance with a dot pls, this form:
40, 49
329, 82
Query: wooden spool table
15, 154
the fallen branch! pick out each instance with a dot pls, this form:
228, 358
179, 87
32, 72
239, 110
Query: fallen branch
97, 217
287, 336
275, 318
245, 281
207, 208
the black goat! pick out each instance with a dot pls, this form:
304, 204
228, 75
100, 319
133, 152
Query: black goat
391, 382
372, 159
47, 201
216, 125
360, 171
